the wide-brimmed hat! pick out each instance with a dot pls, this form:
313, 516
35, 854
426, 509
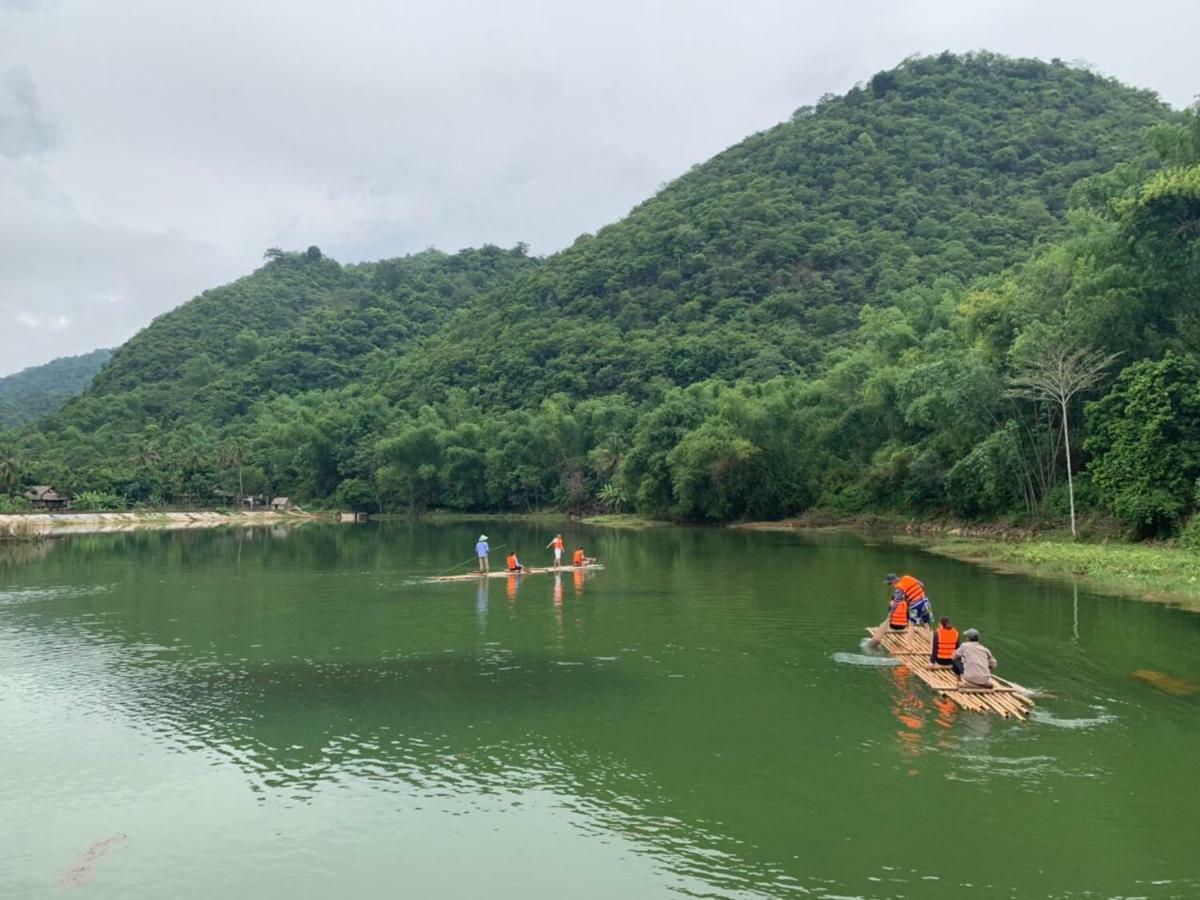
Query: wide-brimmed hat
483, 537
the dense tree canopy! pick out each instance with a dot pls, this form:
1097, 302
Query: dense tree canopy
40, 390
827, 314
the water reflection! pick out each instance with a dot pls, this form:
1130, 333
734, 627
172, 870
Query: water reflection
481, 602
704, 718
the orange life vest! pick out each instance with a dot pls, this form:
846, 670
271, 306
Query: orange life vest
557, 543
912, 589
947, 641
578, 560
512, 562
899, 617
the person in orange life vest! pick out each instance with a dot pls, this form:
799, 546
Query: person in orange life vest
897, 619
945, 642
907, 588
514, 564
580, 560
557, 544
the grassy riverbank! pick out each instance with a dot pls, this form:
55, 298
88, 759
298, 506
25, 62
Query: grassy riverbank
1155, 572
1100, 560
545, 517
623, 520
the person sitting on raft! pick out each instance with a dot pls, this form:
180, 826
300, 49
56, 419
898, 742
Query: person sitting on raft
913, 592
945, 642
579, 560
897, 619
973, 662
514, 564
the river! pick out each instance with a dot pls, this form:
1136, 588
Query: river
294, 713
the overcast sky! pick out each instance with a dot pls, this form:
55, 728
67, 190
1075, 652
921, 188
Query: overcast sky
153, 148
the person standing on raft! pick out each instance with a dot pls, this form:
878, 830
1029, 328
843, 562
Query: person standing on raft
945, 642
907, 603
973, 662
912, 592
481, 551
557, 544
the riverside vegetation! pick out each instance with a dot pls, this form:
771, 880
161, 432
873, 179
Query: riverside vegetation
831, 314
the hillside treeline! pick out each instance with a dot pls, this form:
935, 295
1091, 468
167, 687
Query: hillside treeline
35, 392
843, 312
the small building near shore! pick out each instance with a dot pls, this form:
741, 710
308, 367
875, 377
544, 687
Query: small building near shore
279, 504
43, 496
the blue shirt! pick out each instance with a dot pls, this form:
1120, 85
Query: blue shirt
481, 549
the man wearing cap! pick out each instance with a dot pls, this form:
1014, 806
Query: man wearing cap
973, 662
907, 590
481, 551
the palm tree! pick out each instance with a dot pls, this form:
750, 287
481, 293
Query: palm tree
12, 466
611, 498
233, 453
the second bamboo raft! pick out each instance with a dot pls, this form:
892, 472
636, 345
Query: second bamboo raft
912, 647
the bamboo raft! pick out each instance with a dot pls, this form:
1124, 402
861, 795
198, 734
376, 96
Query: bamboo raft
504, 573
912, 647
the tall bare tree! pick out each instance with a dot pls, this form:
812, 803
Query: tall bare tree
1055, 374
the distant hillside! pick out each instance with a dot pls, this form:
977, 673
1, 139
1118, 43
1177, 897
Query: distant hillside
40, 390
302, 322
827, 313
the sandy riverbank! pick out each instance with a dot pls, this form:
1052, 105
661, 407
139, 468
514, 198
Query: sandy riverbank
37, 525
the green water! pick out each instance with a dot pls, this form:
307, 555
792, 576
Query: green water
292, 714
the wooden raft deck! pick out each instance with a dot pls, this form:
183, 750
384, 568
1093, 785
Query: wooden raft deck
911, 647
504, 573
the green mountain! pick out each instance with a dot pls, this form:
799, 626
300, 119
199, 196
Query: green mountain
300, 323
40, 390
752, 263
827, 313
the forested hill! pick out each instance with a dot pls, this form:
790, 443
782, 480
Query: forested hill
828, 313
751, 263
300, 323
40, 390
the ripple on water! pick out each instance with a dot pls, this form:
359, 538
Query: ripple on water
862, 659
50, 592
1044, 717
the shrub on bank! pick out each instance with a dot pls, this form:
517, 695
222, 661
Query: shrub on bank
98, 501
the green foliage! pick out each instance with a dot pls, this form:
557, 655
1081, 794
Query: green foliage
827, 313
98, 501
354, 495
1145, 440
753, 264
1189, 535
38, 391
14, 504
